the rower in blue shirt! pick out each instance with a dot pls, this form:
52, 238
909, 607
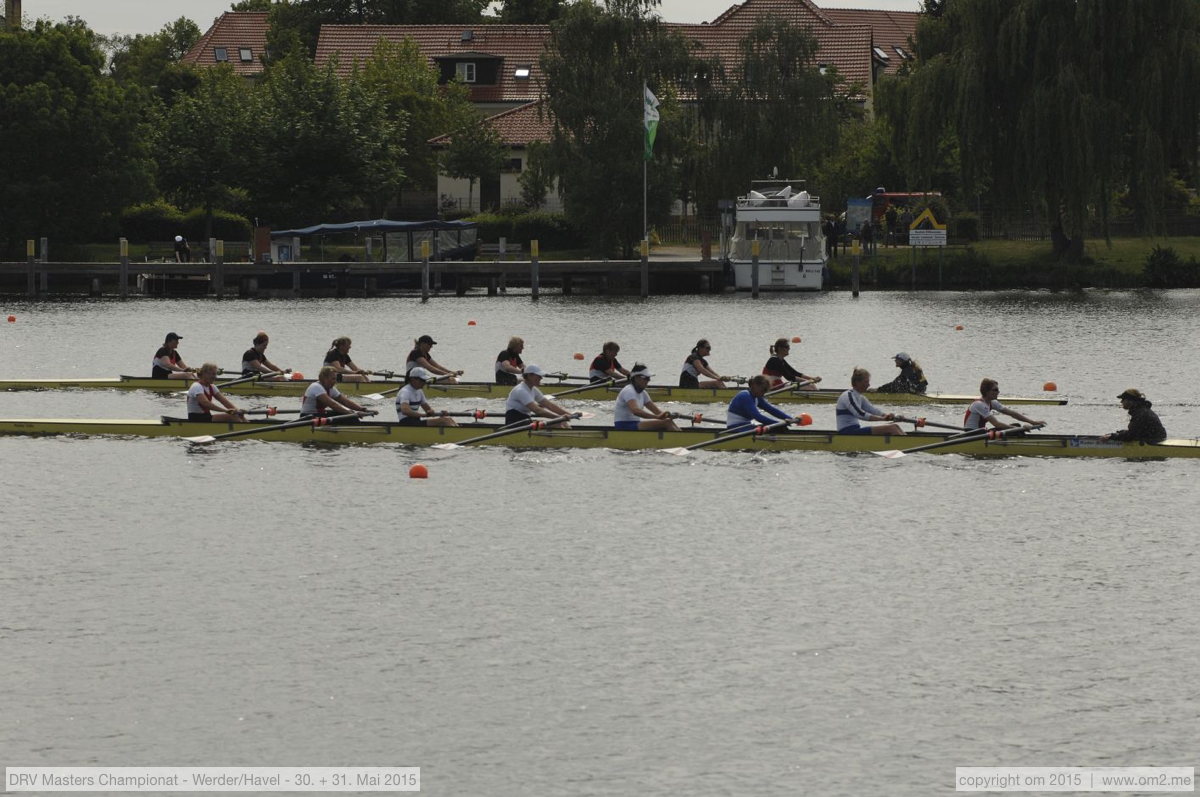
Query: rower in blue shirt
749, 405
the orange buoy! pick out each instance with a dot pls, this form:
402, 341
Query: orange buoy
12, 319
418, 471
796, 339
470, 323
579, 355
805, 419
297, 375
958, 327
1050, 386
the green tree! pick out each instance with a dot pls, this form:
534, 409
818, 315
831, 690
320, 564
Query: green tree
475, 152
1057, 105
536, 179
770, 111
203, 154
301, 20
76, 145
596, 64
153, 61
531, 12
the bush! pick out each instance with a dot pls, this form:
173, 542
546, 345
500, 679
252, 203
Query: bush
152, 221
550, 230
965, 227
1165, 269
226, 226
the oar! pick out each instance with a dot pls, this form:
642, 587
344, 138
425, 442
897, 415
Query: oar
790, 386
610, 382
561, 375
757, 429
989, 434
245, 379
269, 411
919, 422
384, 394
275, 427
697, 418
511, 429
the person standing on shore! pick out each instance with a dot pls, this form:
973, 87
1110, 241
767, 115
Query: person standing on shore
183, 252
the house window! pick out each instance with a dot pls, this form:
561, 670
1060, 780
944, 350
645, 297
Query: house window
465, 72
511, 165
522, 72
822, 68
246, 54
221, 54
879, 53
900, 51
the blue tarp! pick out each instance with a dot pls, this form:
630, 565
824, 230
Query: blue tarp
377, 225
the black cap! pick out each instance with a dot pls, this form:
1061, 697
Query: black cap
174, 336
427, 339
1133, 394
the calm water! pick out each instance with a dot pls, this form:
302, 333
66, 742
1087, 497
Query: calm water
599, 623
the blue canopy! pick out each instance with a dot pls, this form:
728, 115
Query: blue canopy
377, 225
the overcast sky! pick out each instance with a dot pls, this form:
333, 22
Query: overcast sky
149, 16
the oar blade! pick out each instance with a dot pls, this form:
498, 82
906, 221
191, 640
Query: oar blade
678, 451
893, 454
446, 446
202, 439
374, 397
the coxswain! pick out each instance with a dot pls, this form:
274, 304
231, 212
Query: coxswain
338, 358
696, 366
910, 380
509, 365
985, 408
1144, 424
853, 407
323, 398
605, 366
206, 402
781, 372
420, 357
634, 411
254, 360
167, 363
526, 401
749, 405
410, 403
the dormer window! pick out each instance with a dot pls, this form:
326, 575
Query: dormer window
467, 35
900, 51
822, 68
221, 53
880, 54
522, 72
247, 55
465, 72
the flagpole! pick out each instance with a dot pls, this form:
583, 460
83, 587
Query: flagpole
645, 212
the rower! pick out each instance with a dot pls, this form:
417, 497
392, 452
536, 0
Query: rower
206, 403
910, 380
695, 366
322, 398
420, 357
853, 407
1144, 424
984, 409
781, 372
605, 366
509, 365
167, 363
254, 360
634, 411
411, 400
749, 405
344, 369
525, 400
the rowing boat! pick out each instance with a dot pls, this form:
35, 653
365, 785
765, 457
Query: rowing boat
607, 437
485, 390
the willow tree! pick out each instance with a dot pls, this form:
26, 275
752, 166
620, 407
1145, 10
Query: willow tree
1058, 105
773, 110
597, 60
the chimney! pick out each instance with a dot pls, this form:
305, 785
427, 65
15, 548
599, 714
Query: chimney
14, 14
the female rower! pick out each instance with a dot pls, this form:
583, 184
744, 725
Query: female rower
853, 407
167, 363
206, 403
911, 378
635, 411
410, 401
419, 358
605, 366
984, 409
695, 366
255, 361
526, 401
749, 405
322, 398
344, 369
509, 365
780, 372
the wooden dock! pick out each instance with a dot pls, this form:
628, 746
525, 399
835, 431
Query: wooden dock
638, 277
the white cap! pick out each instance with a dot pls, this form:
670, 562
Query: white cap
534, 370
643, 372
178, 238
419, 373
902, 356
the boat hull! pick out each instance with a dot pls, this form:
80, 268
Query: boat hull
779, 276
607, 437
487, 390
